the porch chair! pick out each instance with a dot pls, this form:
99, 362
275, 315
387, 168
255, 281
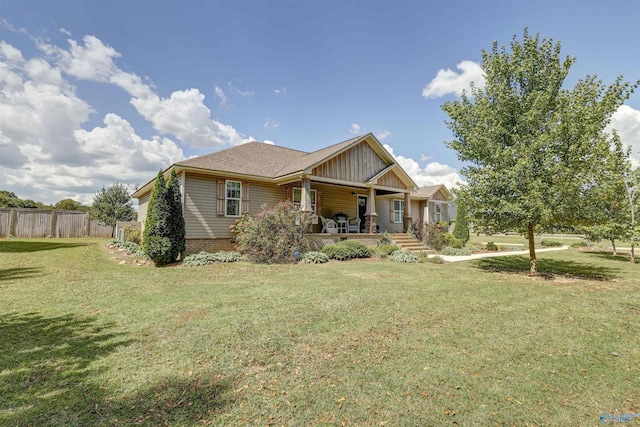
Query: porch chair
328, 225
354, 225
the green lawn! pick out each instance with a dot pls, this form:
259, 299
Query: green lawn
87, 341
515, 239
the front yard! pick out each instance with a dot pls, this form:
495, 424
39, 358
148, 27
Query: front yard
89, 341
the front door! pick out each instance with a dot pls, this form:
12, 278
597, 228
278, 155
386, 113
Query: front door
362, 210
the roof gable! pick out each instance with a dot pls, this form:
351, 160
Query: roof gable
434, 192
358, 163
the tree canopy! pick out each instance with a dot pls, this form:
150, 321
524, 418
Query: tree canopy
113, 204
534, 150
70, 205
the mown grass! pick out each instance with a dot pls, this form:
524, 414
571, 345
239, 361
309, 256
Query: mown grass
515, 239
86, 341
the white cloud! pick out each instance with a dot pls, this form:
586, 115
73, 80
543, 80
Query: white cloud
626, 121
268, 142
432, 174
281, 91
449, 82
65, 32
239, 91
10, 53
271, 124
46, 154
224, 101
354, 128
383, 135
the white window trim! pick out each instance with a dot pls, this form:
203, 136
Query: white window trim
438, 212
401, 211
298, 204
226, 198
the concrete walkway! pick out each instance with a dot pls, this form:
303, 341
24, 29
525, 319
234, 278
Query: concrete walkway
456, 258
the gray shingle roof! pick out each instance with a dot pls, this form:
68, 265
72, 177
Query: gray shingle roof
427, 192
259, 159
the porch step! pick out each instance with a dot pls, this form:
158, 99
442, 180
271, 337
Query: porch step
409, 243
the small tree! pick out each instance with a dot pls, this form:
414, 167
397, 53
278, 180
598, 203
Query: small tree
176, 228
533, 148
111, 205
275, 235
461, 227
155, 241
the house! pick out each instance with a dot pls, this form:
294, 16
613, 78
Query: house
433, 204
357, 178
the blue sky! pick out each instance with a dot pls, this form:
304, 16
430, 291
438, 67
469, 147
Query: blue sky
97, 92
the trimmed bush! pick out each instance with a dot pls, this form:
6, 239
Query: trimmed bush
448, 250
492, 246
274, 235
579, 245
347, 249
231, 256
132, 234
550, 243
386, 249
461, 227
314, 257
404, 256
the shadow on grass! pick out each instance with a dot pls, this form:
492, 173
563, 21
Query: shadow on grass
19, 273
49, 369
35, 246
622, 256
547, 268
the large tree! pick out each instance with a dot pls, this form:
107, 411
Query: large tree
113, 204
532, 148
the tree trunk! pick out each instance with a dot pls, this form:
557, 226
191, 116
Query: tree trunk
633, 255
613, 245
532, 250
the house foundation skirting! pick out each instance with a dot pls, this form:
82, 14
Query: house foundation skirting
193, 246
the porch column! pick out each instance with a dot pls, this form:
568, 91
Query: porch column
305, 196
371, 217
408, 218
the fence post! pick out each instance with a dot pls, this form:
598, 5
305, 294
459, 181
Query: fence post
87, 224
52, 223
12, 223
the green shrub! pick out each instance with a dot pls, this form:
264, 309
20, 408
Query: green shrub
274, 235
206, 258
475, 246
492, 246
385, 239
404, 256
132, 234
448, 250
461, 227
434, 259
579, 245
347, 249
550, 243
434, 237
386, 249
130, 247
201, 258
512, 248
314, 257
231, 256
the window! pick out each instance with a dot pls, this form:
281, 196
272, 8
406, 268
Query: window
398, 210
233, 198
438, 212
297, 199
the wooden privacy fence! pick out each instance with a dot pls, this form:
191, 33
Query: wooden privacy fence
20, 222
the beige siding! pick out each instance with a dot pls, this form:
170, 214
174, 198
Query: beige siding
384, 207
143, 204
416, 211
335, 199
200, 210
357, 164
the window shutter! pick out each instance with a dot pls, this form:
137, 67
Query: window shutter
245, 197
391, 211
290, 194
318, 202
221, 190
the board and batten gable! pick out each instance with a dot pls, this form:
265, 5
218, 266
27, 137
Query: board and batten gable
358, 164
